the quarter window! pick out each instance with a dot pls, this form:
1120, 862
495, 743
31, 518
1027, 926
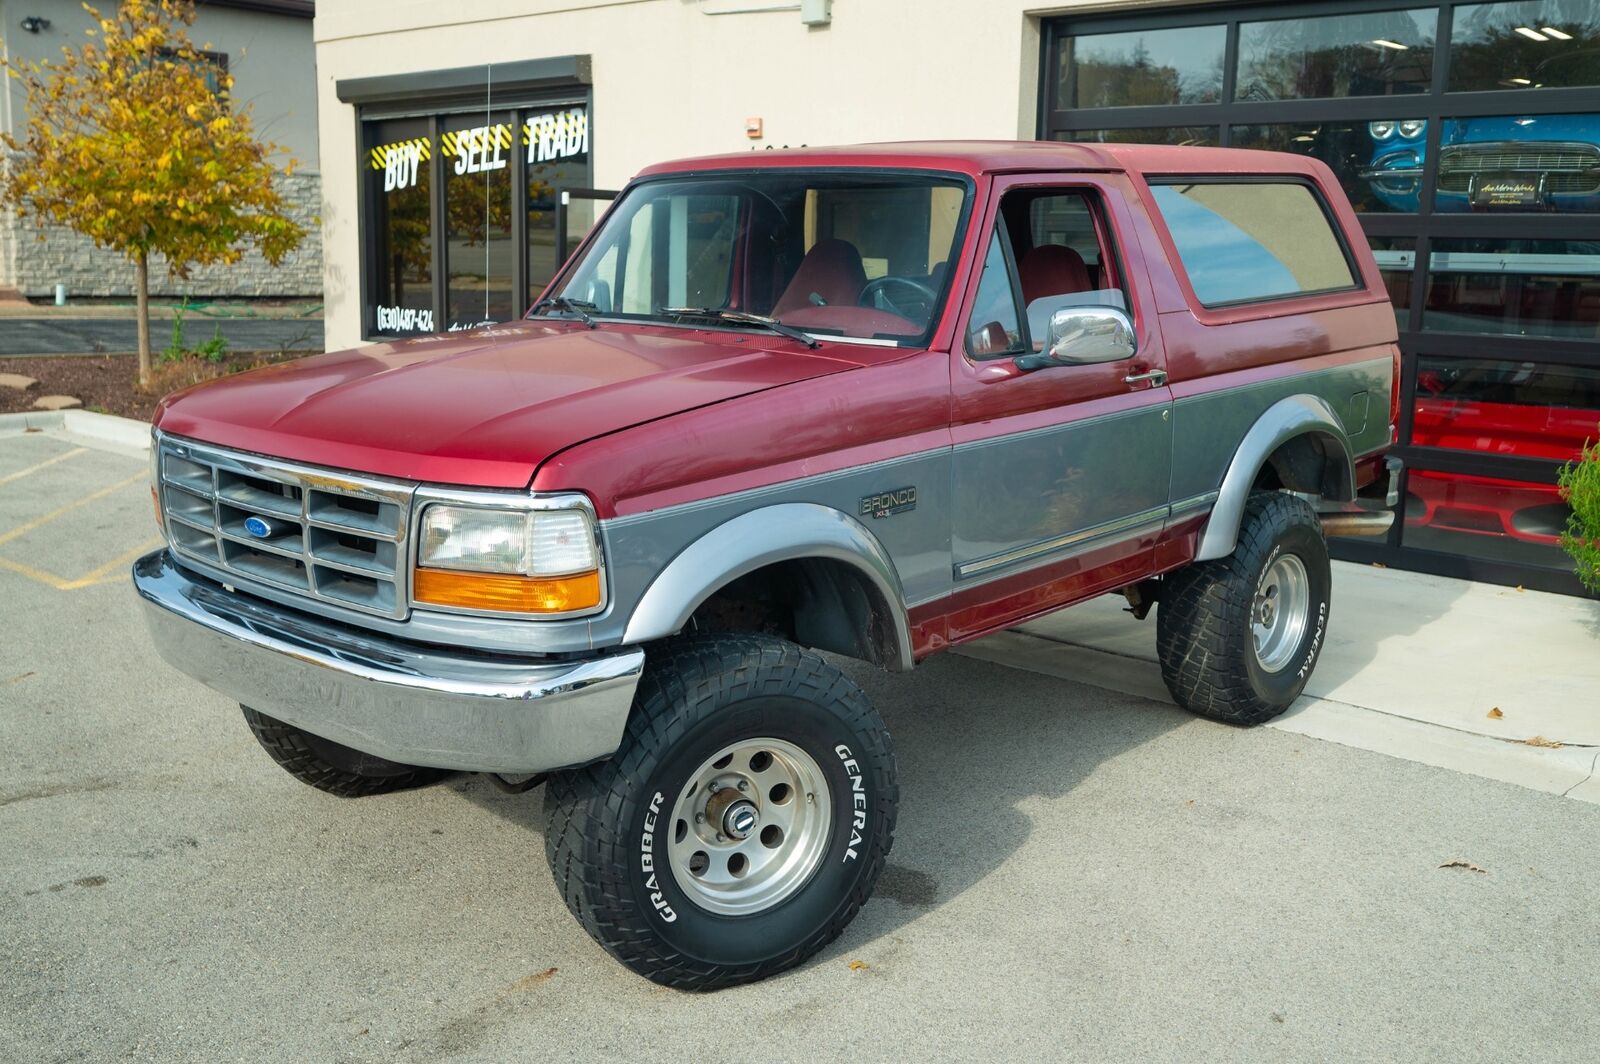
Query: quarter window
993, 329
1247, 241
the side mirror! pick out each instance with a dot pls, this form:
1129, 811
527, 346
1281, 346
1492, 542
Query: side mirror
1080, 336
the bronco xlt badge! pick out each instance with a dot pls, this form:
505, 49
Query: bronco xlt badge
888, 503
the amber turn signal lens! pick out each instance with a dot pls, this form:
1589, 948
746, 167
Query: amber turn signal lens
506, 593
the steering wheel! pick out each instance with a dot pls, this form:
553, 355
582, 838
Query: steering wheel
926, 296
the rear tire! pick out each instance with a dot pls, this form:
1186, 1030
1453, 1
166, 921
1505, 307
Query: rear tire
333, 767
1239, 636
748, 735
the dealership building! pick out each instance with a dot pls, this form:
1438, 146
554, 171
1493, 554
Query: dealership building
465, 148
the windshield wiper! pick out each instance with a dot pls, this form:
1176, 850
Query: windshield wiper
578, 307
742, 318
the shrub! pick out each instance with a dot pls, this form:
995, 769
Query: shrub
1580, 487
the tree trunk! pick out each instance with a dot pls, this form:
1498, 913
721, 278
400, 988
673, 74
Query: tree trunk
142, 261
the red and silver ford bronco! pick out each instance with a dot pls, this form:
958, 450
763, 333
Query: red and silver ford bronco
874, 401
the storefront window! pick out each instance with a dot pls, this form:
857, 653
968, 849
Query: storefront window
1387, 53
556, 144
1519, 163
1553, 44
1203, 135
1492, 518
1516, 287
477, 160
1378, 164
1143, 68
1525, 409
493, 256
399, 174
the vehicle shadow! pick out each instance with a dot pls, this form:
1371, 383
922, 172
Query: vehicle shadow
976, 743
1372, 610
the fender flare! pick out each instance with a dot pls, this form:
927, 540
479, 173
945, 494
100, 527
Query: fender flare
1295, 415
762, 537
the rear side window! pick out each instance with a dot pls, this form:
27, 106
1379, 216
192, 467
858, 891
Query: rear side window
1246, 241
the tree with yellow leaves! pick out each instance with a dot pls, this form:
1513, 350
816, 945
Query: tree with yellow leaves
132, 140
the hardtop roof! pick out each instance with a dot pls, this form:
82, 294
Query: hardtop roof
978, 157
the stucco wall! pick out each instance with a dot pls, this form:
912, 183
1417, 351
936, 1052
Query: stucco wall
671, 80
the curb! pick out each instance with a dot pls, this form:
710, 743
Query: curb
106, 428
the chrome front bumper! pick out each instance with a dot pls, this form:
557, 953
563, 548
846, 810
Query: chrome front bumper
403, 701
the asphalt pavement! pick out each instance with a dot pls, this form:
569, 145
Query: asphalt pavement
1080, 874
77, 336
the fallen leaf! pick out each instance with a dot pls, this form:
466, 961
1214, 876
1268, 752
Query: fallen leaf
528, 982
1379, 565
1468, 865
1495, 714
1539, 740
859, 966
1189, 802
1521, 588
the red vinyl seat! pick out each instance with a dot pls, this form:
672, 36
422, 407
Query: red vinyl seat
831, 272
1052, 270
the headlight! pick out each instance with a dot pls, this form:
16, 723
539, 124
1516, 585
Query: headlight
507, 560
1412, 128
1380, 130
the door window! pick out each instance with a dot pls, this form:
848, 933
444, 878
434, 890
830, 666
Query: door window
1062, 259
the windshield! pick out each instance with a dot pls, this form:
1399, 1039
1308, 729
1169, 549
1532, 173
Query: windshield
833, 254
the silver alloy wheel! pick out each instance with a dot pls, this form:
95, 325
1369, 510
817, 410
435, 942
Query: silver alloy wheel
750, 826
1280, 612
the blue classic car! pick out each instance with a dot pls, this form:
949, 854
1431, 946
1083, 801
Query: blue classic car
1544, 163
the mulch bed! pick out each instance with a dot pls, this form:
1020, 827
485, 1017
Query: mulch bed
108, 384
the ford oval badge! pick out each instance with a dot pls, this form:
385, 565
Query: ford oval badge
257, 527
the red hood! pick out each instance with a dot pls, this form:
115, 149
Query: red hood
481, 408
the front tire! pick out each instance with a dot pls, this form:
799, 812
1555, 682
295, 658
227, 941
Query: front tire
741, 825
1239, 636
334, 767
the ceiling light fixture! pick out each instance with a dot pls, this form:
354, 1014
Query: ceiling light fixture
1532, 35
1519, 81
1551, 31
1396, 45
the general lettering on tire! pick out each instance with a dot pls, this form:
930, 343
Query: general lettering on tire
858, 801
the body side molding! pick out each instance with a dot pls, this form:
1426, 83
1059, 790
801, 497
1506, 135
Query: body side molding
1295, 415
761, 537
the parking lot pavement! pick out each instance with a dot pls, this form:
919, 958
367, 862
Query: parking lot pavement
1078, 874
60, 335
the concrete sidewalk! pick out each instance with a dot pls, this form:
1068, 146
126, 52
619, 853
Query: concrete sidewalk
1414, 666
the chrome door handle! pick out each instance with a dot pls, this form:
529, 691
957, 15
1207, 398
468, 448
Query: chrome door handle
1156, 377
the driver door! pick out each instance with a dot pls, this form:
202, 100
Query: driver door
1060, 474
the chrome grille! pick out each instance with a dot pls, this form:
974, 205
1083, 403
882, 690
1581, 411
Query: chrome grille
1569, 168
322, 533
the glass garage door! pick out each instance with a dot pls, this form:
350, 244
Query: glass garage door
1468, 138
